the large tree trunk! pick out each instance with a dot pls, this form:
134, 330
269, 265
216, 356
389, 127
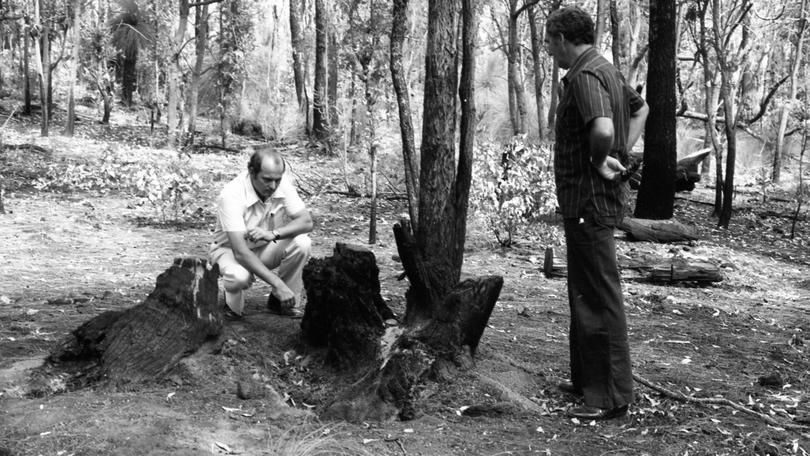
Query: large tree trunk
320, 113
602, 13
399, 24
129, 76
617, 45
656, 198
146, 341
43, 51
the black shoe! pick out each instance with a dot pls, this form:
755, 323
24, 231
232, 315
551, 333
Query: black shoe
568, 387
593, 413
274, 305
229, 314
291, 312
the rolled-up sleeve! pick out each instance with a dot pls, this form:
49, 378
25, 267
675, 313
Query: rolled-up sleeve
230, 211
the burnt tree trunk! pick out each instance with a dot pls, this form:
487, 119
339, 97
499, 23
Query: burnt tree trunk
146, 341
657, 230
345, 311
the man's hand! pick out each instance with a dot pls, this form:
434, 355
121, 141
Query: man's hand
611, 169
285, 296
258, 234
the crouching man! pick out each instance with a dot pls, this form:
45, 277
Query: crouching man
261, 227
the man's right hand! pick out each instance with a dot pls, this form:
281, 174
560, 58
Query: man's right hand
611, 169
285, 296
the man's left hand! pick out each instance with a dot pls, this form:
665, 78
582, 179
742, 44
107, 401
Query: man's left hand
611, 169
258, 234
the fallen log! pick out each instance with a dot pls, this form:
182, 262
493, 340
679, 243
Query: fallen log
146, 341
686, 171
648, 269
657, 230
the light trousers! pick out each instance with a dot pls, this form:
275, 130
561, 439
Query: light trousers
288, 255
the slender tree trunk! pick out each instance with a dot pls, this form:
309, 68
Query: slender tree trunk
617, 43
729, 109
43, 51
175, 71
334, 56
710, 105
656, 197
26, 68
602, 12
200, 45
298, 54
70, 124
784, 112
517, 94
320, 114
398, 78
539, 72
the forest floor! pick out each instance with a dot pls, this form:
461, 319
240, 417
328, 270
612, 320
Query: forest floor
70, 254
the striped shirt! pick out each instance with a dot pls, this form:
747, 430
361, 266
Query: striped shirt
593, 88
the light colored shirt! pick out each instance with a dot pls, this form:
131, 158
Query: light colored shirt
239, 209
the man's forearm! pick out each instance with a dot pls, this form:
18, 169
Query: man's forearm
299, 225
636, 127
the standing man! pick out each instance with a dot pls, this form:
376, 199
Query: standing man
599, 118
262, 225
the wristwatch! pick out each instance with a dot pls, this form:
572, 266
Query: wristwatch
276, 235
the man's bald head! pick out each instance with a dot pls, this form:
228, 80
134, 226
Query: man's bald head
263, 153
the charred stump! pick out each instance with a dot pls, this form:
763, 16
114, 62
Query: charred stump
440, 337
345, 311
146, 341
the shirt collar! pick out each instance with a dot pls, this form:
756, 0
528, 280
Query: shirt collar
252, 198
579, 64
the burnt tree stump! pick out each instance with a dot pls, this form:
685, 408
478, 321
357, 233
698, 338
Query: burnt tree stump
345, 311
441, 334
146, 341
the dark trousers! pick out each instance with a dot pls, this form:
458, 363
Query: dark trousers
600, 356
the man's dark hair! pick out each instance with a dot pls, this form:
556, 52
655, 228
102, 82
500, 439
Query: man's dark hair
575, 25
258, 156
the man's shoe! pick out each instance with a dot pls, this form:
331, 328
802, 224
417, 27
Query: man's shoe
568, 387
291, 312
229, 314
593, 413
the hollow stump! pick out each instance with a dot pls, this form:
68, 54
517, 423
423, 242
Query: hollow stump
147, 340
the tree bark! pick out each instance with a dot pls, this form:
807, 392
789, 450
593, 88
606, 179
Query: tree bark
298, 55
784, 112
70, 123
517, 93
146, 341
175, 71
617, 42
602, 13
656, 197
26, 68
539, 72
332, 79
399, 27
200, 45
320, 113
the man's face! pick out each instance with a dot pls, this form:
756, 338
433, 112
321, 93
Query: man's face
266, 181
555, 48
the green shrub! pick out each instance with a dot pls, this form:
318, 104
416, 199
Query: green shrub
513, 186
168, 186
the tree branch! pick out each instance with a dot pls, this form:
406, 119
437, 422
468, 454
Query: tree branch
525, 6
764, 105
203, 3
